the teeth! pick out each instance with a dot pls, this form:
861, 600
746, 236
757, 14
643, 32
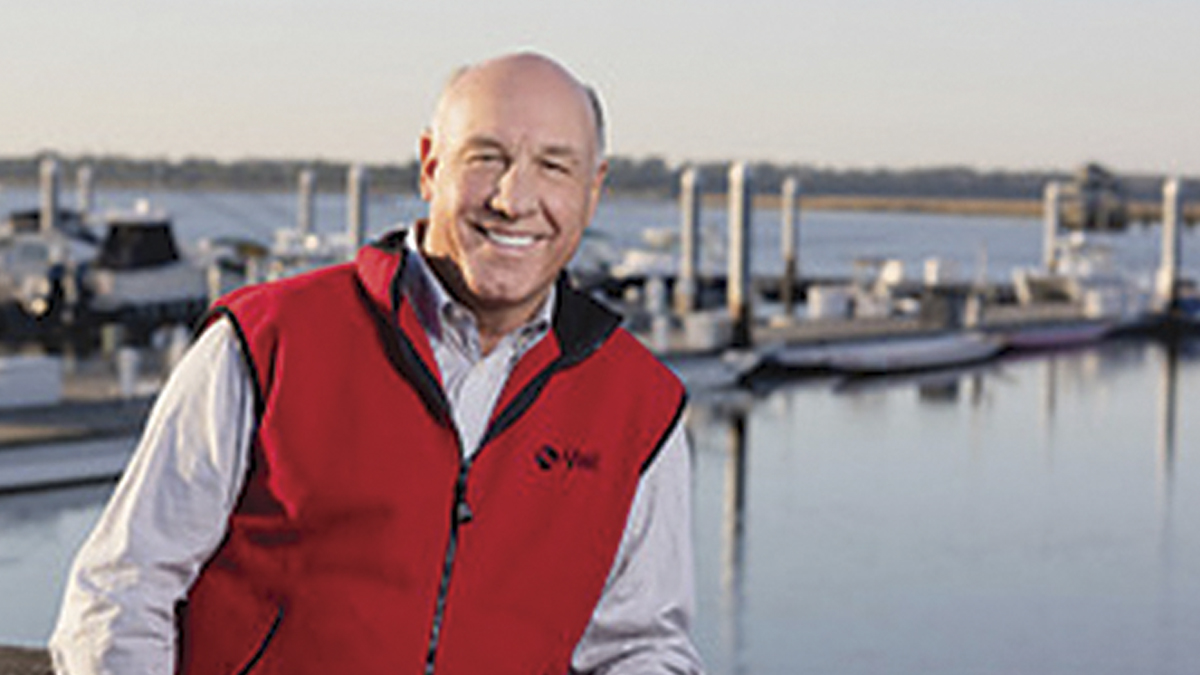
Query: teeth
511, 240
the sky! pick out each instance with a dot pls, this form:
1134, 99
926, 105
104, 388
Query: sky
988, 84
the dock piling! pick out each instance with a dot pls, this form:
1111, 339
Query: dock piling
84, 190
356, 196
48, 218
658, 308
689, 243
789, 224
304, 213
1166, 281
1050, 223
738, 292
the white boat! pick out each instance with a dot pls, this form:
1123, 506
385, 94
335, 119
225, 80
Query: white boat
915, 353
39, 269
1057, 335
1084, 275
140, 277
885, 355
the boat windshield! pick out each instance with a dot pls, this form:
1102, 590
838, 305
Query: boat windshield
135, 245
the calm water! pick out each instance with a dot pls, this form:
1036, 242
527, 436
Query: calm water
1030, 516
1037, 516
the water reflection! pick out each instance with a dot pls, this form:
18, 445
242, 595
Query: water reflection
858, 537
1169, 358
734, 537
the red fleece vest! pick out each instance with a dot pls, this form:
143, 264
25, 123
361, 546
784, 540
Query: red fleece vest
362, 543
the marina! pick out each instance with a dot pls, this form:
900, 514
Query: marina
929, 275
858, 449
696, 293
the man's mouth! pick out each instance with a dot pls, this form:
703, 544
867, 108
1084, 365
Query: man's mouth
507, 240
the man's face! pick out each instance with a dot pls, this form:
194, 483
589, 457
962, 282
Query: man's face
512, 177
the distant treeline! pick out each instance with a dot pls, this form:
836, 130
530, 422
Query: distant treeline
651, 177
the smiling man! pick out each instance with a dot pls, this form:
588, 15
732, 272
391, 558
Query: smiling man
439, 458
512, 169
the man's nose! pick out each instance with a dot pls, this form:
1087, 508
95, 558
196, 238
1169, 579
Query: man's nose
516, 193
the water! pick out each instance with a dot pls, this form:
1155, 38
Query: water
1033, 516
1029, 516
39, 533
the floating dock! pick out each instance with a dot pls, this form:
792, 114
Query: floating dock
24, 661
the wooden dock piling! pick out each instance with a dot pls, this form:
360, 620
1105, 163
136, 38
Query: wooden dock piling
84, 189
1051, 214
1168, 269
305, 210
356, 198
48, 172
790, 206
689, 241
738, 291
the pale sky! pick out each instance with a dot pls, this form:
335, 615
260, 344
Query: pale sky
1013, 84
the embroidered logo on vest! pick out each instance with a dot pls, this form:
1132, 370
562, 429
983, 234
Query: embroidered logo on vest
549, 457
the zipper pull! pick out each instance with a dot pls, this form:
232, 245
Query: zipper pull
462, 511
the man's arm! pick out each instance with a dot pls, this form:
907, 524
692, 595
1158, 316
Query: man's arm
166, 517
641, 624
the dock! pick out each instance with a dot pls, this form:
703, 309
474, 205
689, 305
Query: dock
24, 661
85, 436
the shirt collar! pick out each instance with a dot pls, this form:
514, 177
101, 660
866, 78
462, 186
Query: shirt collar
444, 317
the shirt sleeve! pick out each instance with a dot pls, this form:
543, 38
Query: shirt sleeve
165, 518
641, 624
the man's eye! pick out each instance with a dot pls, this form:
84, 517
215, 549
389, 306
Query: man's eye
485, 158
554, 166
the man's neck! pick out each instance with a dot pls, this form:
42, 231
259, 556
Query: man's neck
492, 323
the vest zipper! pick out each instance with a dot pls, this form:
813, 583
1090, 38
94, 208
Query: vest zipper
460, 511
460, 514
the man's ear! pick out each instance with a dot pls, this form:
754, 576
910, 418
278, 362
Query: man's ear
598, 180
428, 164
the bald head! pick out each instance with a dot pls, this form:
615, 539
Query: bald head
521, 74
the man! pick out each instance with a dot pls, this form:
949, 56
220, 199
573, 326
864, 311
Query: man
438, 458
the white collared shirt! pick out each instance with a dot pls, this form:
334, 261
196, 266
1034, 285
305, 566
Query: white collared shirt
472, 380
169, 512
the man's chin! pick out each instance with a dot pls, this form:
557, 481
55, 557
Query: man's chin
499, 297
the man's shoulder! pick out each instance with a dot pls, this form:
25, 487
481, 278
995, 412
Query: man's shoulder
298, 289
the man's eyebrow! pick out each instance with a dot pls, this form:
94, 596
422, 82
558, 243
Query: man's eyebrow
562, 151
567, 152
480, 141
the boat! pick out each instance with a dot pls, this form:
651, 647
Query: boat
898, 355
140, 278
1056, 335
882, 356
62, 282
1083, 275
39, 270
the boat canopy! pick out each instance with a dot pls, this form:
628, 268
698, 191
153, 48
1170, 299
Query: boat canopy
137, 244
